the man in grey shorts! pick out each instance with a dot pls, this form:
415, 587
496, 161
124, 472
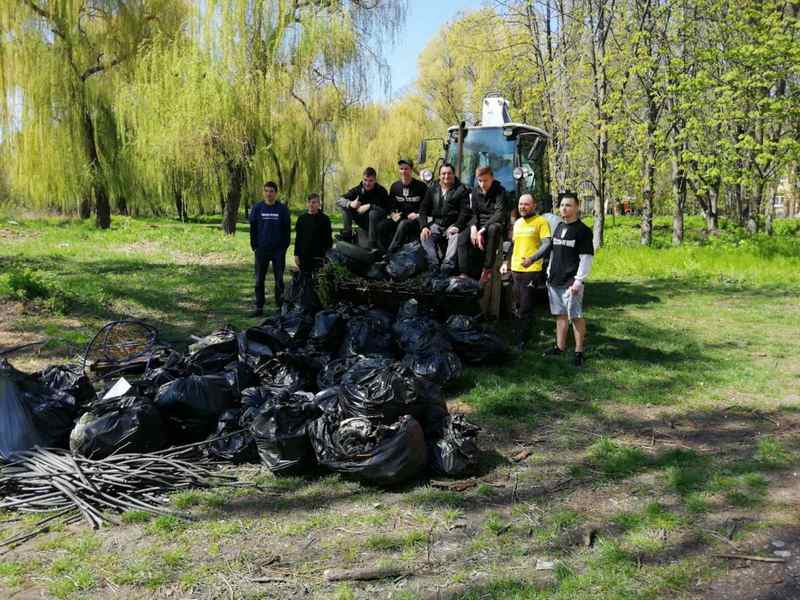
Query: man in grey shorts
570, 264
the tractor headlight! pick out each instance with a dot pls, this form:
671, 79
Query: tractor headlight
518, 173
427, 176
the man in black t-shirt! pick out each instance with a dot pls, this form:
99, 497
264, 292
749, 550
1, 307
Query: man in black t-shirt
367, 205
570, 265
405, 197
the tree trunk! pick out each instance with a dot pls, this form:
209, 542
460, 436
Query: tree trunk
648, 192
122, 205
678, 195
102, 204
180, 208
236, 181
85, 208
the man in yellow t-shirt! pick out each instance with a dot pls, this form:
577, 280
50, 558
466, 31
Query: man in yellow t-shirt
530, 242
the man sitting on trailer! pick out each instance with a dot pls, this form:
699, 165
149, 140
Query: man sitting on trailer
405, 196
367, 205
529, 243
486, 226
438, 215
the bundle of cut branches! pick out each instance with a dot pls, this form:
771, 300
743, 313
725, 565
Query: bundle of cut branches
69, 488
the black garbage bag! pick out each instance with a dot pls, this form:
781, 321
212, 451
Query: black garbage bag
383, 391
279, 375
437, 284
310, 361
132, 425
254, 398
222, 341
71, 380
239, 376
377, 272
17, 429
328, 401
410, 260
367, 336
376, 454
191, 406
439, 367
280, 433
252, 351
158, 377
379, 314
53, 411
237, 446
211, 353
462, 285
474, 343
357, 267
331, 375
328, 329
455, 452
296, 323
302, 292
421, 335
410, 309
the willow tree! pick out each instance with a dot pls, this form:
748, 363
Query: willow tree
62, 59
253, 90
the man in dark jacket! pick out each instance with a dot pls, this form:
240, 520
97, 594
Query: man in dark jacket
405, 197
312, 237
487, 223
367, 204
270, 233
443, 204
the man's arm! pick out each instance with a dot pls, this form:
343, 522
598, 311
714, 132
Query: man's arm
425, 207
499, 215
544, 249
345, 199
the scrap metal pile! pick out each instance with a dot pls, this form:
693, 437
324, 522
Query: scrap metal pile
350, 389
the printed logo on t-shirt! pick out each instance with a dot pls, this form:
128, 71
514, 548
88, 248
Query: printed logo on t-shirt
270, 216
563, 242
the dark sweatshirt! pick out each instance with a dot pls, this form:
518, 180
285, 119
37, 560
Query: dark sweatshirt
444, 209
489, 208
312, 236
406, 198
377, 196
270, 227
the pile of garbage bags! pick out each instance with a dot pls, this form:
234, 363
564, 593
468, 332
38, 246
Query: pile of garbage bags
351, 389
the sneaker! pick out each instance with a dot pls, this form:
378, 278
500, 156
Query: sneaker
486, 275
552, 351
579, 359
258, 312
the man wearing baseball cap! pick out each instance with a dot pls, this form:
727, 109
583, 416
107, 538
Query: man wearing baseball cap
405, 197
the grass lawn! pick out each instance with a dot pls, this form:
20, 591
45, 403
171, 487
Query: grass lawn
678, 441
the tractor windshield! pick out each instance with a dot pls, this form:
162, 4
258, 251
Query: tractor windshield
486, 146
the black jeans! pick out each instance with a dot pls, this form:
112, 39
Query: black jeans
263, 260
370, 220
467, 252
405, 231
524, 287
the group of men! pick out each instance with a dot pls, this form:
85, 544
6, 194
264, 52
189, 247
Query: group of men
457, 228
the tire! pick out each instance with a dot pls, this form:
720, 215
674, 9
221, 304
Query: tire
356, 253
